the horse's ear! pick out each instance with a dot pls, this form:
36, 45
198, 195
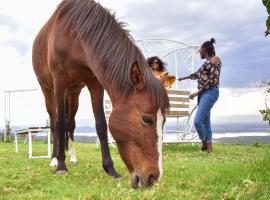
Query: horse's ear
136, 76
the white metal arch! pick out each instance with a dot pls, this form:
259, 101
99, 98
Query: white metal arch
181, 54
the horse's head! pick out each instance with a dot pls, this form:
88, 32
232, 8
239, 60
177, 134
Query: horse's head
136, 125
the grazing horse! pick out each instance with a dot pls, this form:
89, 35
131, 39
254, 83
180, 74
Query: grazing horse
82, 44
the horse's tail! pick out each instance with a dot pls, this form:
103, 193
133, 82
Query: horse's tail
67, 129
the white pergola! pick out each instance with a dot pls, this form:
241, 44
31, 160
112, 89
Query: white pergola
179, 56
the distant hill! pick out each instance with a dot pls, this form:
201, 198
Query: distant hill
85, 129
229, 124
236, 123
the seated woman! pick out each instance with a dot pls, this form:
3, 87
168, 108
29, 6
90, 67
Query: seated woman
159, 71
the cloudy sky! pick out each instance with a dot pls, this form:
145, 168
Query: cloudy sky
238, 27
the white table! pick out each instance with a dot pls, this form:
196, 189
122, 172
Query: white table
30, 132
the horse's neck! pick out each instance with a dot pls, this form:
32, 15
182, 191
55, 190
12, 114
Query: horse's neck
98, 69
115, 96
93, 62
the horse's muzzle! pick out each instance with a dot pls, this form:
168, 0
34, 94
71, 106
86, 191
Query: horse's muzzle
138, 179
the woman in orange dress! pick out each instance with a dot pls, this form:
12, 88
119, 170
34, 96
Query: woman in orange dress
159, 71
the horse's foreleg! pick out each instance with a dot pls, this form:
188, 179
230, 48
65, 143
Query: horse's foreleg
60, 128
51, 109
73, 103
97, 94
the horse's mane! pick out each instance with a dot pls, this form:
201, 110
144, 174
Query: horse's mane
98, 28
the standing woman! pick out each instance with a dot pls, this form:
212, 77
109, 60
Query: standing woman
208, 92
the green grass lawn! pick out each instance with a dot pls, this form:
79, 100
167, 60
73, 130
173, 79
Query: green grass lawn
231, 172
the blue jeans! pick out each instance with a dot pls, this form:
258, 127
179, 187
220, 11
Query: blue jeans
202, 122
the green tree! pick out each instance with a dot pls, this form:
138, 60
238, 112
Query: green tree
266, 3
8, 132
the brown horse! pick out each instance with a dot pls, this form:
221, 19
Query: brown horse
83, 45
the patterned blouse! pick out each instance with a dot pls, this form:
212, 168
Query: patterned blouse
207, 75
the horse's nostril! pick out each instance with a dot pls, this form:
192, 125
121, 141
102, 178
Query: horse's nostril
151, 179
135, 181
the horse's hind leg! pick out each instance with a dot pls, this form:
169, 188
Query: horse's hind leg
97, 93
73, 103
51, 109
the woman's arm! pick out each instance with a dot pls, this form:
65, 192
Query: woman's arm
192, 76
183, 78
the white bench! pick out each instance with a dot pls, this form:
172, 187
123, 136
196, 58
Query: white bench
107, 110
181, 107
30, 132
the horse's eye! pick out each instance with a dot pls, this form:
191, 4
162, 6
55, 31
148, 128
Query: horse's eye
147, 120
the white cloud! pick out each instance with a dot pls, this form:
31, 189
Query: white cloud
29, 14
191, 22
238, 26
244, 101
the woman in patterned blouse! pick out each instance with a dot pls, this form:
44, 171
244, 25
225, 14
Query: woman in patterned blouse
208, 92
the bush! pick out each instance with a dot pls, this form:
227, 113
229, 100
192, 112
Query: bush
1, 135
266, 111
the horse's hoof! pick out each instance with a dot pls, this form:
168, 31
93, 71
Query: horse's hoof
112, 172
60, 172
54, 162
116, 176
74, 162
62, 168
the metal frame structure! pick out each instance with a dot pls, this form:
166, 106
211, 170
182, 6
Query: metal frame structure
30, 132
179, 47
8, 93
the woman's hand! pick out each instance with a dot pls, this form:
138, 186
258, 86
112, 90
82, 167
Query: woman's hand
181, 79
164, 74
193, 95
